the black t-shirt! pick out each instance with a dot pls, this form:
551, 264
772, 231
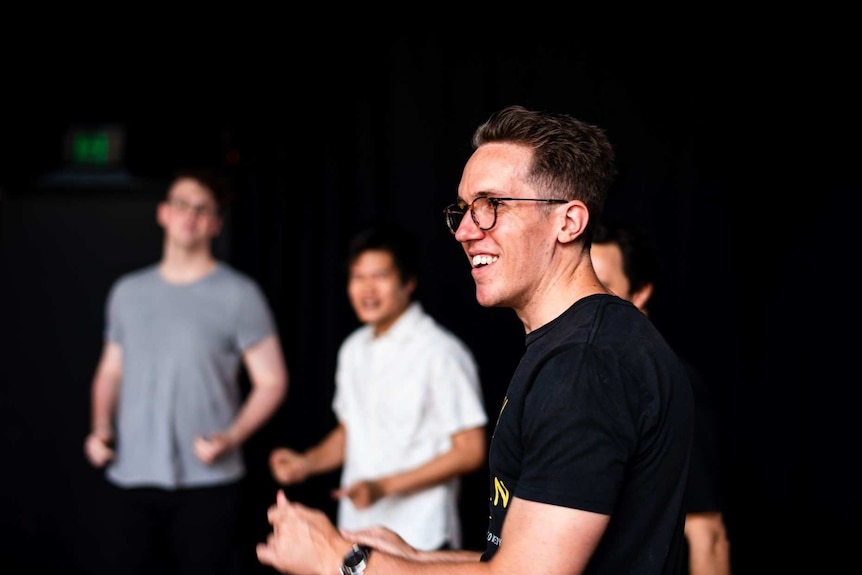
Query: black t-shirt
599, 416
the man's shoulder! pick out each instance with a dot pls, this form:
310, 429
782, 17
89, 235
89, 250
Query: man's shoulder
438, 338
360, 334
228, 274
228, 271
136, 277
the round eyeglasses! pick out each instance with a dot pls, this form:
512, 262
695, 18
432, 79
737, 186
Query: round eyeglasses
183, 207
483, 210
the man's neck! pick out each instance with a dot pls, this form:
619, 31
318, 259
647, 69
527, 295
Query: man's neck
383, 327
179, 266
558, 292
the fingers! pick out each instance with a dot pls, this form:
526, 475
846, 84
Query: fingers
282, 473
361, 494
205, 450
302, 538
276, 457
287, 466
382, 538
287, 510
280, 509
265, 554
339, 493
97, 450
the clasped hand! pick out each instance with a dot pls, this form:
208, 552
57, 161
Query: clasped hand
304, 541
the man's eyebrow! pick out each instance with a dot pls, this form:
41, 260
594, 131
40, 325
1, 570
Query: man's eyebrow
480, 194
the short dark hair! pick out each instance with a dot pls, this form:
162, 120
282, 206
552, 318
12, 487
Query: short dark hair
571, 159
381, 235
212, 179
640, 257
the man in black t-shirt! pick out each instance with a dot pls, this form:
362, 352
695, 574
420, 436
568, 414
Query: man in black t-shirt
590, 452
626, 261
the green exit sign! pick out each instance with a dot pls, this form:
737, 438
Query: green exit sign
94, 146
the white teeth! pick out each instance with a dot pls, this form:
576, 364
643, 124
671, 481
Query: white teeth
483, 260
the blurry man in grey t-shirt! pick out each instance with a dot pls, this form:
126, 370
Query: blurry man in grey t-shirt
168, 417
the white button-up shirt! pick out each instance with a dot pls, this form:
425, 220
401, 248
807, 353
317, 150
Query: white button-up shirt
401, 397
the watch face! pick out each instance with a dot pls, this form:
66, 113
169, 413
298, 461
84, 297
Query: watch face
355, 557
354, 560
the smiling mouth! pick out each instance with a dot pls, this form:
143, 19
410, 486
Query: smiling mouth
483, 260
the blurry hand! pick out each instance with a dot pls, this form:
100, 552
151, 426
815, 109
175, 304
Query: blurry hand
383, 539
210, 449
288, 466
98, 448
362, 494
303, 540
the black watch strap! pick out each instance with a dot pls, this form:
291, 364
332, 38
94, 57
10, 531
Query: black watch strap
355, 560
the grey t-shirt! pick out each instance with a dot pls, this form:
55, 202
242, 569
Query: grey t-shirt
182, 350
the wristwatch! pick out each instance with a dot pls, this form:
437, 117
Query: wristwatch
355, 560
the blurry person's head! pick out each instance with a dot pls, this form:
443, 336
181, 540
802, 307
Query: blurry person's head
191, 213
382, 274
625, 261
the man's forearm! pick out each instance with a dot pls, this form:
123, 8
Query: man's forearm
260, 405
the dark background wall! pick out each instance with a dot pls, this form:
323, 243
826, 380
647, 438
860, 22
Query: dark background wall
739, 159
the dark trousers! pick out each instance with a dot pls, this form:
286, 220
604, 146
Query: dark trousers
184, 532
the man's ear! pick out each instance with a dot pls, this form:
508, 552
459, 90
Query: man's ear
410, 286
218, 225
161, 213
576, 218
641, 297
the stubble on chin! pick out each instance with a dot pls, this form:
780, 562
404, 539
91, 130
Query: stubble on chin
486, 297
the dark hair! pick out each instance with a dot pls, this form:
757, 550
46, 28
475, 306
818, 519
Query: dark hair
388, 237
571, 159
640, 258
211, 179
